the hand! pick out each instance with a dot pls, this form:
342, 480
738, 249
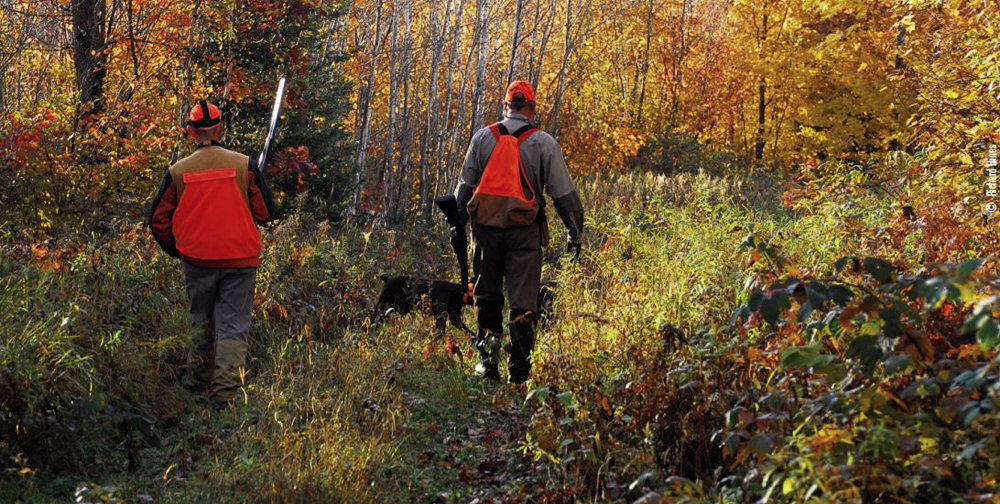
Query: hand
575, 249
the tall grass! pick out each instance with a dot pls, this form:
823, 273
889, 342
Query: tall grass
632, 379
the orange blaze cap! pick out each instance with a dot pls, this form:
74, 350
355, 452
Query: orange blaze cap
205, 115
520, 91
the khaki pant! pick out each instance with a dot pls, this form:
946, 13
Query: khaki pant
221, 300
512, 258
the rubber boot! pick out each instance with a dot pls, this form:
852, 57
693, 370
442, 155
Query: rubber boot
522, 342
200, 357
230, 361
489, 337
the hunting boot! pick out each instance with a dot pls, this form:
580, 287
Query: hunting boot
200, 357
230, 360
490, 320
522, 342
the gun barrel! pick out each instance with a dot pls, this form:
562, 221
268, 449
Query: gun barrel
272, 126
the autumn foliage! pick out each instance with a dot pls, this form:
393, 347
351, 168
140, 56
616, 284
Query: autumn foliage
788, 291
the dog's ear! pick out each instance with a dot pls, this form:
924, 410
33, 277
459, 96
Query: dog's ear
384, 278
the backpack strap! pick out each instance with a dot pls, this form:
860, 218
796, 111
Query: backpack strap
523, 133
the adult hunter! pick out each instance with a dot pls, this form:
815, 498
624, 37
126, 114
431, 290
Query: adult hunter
204, 213
508, 165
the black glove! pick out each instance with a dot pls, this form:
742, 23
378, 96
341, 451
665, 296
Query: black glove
575, 249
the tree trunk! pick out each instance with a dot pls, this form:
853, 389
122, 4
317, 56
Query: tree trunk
385, 168
89, 58
406, 143
761, 107
514, 43
645, 64
567, 50
452, 120
3, 89
364, 110
679, 66
479, 91
432, 133
188, 77
535, 66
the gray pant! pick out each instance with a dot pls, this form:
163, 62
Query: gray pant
512, 256
221, 299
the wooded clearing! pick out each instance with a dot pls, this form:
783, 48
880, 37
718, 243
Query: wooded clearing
788, 291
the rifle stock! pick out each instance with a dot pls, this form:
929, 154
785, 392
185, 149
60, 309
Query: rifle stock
459, 240
449, 207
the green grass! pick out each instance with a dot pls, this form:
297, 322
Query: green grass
630, 386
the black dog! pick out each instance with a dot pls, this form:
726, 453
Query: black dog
444, 300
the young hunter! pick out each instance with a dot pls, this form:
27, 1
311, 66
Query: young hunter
204, 213
508, 166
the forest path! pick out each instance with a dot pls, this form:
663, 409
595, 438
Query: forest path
463, 441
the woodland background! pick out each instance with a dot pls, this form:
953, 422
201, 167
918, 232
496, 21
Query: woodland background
785, 216
385, 95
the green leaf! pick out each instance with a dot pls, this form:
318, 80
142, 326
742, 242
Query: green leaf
973, 323
870, 328
835, 372
733, 416
741, 312
971, 450
842, 263
896, 363
783, 299
954, 293
841, 295
967, 268
804, 357
817, 294
892, 328
879, 269
934, 291
755, 298
566, 398
989, 334
769, 309
866, 350
539, 393
805, 310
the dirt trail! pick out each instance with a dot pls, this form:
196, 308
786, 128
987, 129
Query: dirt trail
464, 440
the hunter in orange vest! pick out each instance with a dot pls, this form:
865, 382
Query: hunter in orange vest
205, 213
507, 168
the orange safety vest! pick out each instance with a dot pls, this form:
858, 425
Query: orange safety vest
213, 219
501, 199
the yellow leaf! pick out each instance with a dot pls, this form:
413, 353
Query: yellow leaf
862, 67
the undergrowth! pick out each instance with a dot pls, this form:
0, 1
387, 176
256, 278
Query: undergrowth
644, 381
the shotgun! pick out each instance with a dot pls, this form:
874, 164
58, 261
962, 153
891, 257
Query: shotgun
272, 127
